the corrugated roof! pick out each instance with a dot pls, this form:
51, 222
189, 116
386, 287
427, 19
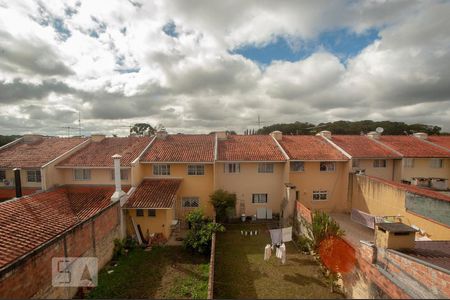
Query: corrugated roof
249, 148
154, 193
443, 141
182, 148
36, 154
308, 147
410, 146
360, 146
98, 154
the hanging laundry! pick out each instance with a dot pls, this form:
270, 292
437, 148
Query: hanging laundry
278, 253
283, 253
267, 252
287, 234
275, 236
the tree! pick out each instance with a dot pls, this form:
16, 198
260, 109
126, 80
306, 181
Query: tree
142, 129
222, 201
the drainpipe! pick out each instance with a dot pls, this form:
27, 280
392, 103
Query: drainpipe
117, 180
18, 183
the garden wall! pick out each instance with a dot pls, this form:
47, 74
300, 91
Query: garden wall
211, 267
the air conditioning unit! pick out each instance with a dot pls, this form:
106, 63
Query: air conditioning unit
440, 184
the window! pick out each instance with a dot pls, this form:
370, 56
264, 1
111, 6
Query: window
152, 212
232, 168
123, 175
259, 198
437, 163
161, 170
355, 163
327, 166
379, 163
34, 176
2, 174
196, 169
297, 195
139, 212
320, 195
189, 202
297, 166
408, 162
265, 168
82, 174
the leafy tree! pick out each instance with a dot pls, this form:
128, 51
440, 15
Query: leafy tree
5, 139
200, 233
142, 129
222, 201
323, 227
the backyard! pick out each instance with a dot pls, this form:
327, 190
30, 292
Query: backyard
164, 272
241, 272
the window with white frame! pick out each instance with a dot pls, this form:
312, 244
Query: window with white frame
265, 168
320, 195
161, 169
327, 166
232, 168
408, 162
355, 163
196, 169
437, 163
379, 163
82, 174
297, 166
259, 198
190, 202
34, 175
123, 174
2, 174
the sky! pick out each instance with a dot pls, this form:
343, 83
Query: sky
202, 66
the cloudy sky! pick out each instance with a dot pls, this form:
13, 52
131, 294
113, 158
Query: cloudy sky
198, 66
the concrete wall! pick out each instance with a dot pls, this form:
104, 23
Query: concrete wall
249, 182
422, 168
149, 225
32, 276
381, 199
336, 183
98, 176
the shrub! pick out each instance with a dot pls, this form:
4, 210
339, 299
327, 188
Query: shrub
222, 201
200, 234
119, 248
322, 227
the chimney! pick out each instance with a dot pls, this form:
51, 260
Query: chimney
277, 135
18, 183
117, 180
32, 138
394, 236
161, 135
221, 135
325, 133
98, 137
421, 135
373, 135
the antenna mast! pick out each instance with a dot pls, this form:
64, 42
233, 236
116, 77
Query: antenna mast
79, 123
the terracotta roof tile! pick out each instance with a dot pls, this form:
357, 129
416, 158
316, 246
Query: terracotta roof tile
9, 193
410, 146
433, 252
154, 193
443, 141
36, 154
98, 154
360, 146
30, 221
309, 147
249, 148
181, 148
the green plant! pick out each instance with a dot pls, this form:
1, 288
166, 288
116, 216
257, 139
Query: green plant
322, 227
304, 243
119, 248
200, 234
222, 201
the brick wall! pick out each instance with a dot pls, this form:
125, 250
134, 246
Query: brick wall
31, 277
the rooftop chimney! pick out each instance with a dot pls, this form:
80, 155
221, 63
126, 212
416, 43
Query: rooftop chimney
221, 135
325, 134
373, 135
394, 236
421, 135
32, 138
277, 135
161, 134
98, 137
18, 183
117, 180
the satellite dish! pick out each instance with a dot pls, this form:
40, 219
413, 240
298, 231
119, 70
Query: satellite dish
379, 130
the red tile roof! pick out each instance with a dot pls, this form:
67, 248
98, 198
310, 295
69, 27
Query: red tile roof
36, 154
154, 193
249, 148
443, 141
410, 146
309, 147
360, 146
182, 148
98, 154
31, 221
433, 252
9, 193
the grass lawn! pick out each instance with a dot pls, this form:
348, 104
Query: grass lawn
241, 272
163, 272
